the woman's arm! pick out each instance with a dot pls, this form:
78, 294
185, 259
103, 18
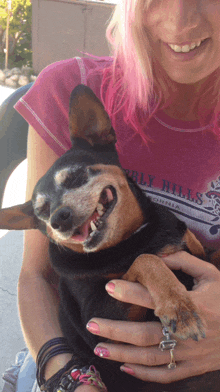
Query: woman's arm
37, 294
38, 298
142, 355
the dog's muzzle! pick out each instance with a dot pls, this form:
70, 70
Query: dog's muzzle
62, 219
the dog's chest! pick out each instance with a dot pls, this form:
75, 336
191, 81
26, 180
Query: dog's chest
115, 260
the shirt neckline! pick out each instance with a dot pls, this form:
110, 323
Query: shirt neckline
179, 125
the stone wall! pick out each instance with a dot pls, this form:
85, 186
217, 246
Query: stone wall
17, 77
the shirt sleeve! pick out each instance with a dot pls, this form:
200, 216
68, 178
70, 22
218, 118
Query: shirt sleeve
46, 105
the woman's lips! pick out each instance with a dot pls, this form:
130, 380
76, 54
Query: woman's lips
186, 56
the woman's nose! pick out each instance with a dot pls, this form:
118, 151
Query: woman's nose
183, 15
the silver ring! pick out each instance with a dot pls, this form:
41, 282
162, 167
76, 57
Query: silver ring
168, 344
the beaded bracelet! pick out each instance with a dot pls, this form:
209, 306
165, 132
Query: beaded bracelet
70, 376
75, 377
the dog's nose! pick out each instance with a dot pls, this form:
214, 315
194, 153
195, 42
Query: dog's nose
62, 219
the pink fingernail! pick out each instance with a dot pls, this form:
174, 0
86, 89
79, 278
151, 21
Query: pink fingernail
127, 370
93, 327
101, 352
110, 287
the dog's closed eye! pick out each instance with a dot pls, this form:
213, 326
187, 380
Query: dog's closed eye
75, 180
43, 211
71, 177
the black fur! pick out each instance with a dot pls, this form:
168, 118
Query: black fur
83, 296
83, 276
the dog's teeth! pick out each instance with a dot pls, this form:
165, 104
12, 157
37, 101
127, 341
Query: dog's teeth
93, 226
100, 209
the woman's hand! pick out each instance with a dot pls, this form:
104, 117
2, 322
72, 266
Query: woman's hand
142, 358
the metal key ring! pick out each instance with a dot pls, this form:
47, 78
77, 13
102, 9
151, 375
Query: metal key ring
168, 344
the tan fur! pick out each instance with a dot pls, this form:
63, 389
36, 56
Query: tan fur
123, 220
215, 259
193, 244
18, 217
94, 116
171, 299
40, 200
190, 241
61, 176
170, 249
89, 121
169, 295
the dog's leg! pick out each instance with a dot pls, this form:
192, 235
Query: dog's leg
194, 246
173, 304
190, 241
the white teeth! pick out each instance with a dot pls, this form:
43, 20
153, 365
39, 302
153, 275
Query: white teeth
184, 48
100, 209
176, 48
193, 46
93, 226
199, 43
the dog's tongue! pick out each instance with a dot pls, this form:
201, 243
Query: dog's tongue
84, 230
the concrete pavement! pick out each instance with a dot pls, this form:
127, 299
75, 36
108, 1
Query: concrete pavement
11, 247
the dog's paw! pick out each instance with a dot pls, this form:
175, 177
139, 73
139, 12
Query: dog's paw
181, 317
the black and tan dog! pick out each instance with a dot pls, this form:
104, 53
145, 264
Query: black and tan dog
103, 226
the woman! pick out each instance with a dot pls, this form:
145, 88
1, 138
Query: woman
162, 94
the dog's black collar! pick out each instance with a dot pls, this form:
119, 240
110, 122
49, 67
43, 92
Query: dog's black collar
141, 228
117, 259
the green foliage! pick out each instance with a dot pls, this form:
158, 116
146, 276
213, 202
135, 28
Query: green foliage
20, 51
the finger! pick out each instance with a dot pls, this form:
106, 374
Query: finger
138, 334
154, 356
164, 375
132, 354
191, 265
130, 292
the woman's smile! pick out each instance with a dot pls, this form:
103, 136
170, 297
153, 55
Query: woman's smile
186, 47
186, 52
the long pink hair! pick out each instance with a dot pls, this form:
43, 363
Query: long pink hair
135, 84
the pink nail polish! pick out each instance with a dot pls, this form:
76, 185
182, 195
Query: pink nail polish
93, 327
127, 370
110, 287
101, 352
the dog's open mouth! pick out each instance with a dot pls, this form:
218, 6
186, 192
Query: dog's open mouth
91, 229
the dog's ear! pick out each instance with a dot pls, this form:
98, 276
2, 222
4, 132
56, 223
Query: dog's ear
88, 119
20, 217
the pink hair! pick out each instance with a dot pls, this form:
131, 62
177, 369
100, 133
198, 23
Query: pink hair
135, 84
127, 84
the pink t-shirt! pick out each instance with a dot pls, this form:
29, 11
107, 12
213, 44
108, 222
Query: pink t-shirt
180, 168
